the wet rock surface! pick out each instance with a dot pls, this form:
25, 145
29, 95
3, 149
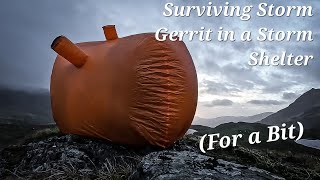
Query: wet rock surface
75, 157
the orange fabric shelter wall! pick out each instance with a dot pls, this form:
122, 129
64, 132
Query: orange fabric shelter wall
132, 90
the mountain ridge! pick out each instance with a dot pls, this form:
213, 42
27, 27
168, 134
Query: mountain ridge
307, 103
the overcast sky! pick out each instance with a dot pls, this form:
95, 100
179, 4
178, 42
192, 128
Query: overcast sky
227, 85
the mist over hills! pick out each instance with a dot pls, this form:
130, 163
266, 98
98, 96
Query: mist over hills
305, 109
25, 107
213, 122
34, 107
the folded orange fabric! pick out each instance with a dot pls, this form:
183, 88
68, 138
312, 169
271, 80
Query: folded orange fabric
132, 90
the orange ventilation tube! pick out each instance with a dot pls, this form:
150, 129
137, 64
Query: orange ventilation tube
110, 32
132, 90
71, 52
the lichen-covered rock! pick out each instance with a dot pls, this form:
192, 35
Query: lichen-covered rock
171, 164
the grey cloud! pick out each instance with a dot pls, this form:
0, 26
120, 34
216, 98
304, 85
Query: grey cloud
273, 88
289, 96
220, 102
218, 88
28, 28
243, 46
238, 74
266, 102
243, 75
27, 31
38, 22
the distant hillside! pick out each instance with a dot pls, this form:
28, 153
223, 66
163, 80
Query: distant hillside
311, 122
306, 109
226, 119
310, 118
17, 106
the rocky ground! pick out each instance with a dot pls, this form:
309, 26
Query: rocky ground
69, 157
170, 164
57, 156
